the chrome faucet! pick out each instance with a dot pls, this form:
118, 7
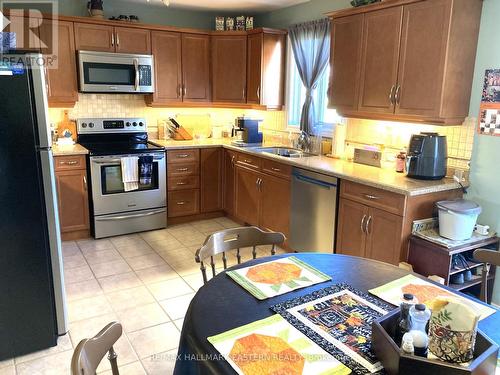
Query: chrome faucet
304, 142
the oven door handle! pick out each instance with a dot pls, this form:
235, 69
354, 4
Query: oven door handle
136, 67
118, 160
125, 217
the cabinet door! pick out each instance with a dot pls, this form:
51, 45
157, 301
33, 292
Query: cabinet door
27, 38
351, 237
196, 67
129, 40
275, 204
73, 200
211, 179
89, 37
62, 82
422, 58
229, 68
384, 236
166, 49
229, 181
247, 201
379, 64
254, 68
345, 62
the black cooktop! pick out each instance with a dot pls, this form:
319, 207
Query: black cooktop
117, 144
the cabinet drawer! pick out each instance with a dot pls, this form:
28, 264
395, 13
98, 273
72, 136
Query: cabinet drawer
64, 163
183, 183
276, 169
184, 169
183, 202
373, 197
183, 156
249, 161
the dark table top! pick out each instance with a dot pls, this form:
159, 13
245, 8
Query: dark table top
222, 305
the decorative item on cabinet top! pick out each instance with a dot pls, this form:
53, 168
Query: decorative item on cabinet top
95, 9
358, 3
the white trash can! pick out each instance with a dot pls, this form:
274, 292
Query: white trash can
457, 219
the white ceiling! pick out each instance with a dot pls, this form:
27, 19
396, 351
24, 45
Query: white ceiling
228, 5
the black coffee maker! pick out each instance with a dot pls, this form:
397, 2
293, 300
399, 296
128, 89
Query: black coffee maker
427, 156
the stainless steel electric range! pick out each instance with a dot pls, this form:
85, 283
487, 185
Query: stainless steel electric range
115, 211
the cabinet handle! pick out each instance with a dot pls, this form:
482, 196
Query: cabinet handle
185, 90
247, 161
233, 158
112, 39
397, 97
258, 92
182, 169
85, 186
117, 40
391, 95
70, 162
363, 224
244, 93
260, 184
179, 91
182, 156
275, 169
371, 197
181, 183
367, 231
181, 203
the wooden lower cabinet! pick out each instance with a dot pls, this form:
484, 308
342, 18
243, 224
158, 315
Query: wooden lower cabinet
211, 179
275, 204
247, 202
351, 237
229, 175
72, 196
183, 203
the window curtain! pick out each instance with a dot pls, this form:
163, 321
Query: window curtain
311, 50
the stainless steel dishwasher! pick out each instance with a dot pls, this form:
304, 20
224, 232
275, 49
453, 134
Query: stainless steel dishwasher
313, 212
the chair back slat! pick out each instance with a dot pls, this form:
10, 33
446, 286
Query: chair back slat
90, 352
488, 258
235, 239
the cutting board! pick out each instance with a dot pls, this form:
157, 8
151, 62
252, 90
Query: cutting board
67, 124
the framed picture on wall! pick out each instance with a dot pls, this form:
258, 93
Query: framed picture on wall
491, 88
489, 119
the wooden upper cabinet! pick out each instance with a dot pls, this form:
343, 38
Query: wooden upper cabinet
379, 62
62, 77
229, 68
93, 37
345, 62
211, 179
131, 40
27, 36
167, 52
422, 58
196, 67
254, 67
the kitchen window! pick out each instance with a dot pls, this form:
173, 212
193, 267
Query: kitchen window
296, 94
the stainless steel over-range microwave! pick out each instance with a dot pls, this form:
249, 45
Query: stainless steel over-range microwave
115, 72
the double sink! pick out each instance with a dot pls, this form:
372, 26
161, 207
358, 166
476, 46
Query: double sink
285, 152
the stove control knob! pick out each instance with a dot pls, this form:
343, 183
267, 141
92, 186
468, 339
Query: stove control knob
84, 124
91, 125
135, 123
128, 124
141, 124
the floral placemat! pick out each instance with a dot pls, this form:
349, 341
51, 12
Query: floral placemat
270, 279
424, 291
273, 346
339, 319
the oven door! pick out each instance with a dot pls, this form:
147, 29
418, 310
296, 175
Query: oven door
108, 193
115, 72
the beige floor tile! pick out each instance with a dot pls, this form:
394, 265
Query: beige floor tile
185, 268
103, 256
177, 256
135, 250
178, 323
193, 239
182, 233
8, 370
88, 328
155, 339
176, 307
130, 369
156, 235
70, 248
127, 240
226, 222
7, 363
75, 275
54, 364
110, 268
145, 261
74, 261
88, 308
126, 299
125, 352
207, 226
63, 344
94, 245
169, 289
166, 245
161, 363
156, 274
141, 317
195, 281
119, 282
83, 289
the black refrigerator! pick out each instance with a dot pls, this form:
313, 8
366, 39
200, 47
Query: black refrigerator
32, 296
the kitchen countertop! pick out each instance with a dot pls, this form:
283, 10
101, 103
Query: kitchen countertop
385, 179
69, 150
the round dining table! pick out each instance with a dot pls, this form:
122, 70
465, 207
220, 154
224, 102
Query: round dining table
222, 304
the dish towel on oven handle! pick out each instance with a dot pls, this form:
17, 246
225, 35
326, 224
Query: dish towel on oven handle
130, 173
145, 170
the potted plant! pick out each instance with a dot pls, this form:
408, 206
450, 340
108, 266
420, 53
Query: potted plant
95, 8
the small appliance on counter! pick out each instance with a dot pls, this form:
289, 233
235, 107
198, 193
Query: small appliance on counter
457, 219
427, 156
246, 132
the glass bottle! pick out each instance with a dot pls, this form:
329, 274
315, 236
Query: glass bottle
407, 344
419, 316
403, 324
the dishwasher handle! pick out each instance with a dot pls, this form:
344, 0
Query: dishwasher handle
313, 181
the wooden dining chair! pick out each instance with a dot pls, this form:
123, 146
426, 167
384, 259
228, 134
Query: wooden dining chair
235, 239
488, 258
90, 352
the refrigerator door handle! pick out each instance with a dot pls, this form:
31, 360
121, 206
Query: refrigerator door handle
40, 99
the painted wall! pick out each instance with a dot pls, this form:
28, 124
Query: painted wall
147, 13
485, 176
